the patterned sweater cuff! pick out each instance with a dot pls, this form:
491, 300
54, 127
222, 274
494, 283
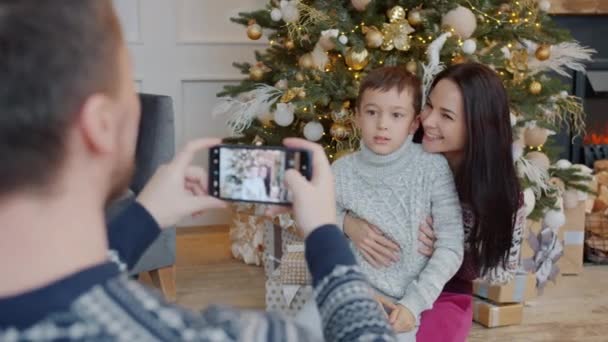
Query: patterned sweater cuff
327, 248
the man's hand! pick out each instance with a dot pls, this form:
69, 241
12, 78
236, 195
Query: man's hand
177, 189
314, 202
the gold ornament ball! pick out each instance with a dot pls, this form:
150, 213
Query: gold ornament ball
396, 13
306, 61
535, 88
289, 44
412, 67
300, 77
414, 17
254, 31
339, 132
357, 59
543, 52
535, 136
539, 159
374, 39
256, 73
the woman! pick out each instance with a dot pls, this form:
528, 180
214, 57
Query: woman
467, 119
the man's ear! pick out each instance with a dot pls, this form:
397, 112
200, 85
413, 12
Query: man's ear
97, 123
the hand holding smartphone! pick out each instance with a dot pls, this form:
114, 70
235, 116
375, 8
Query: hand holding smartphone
255, 174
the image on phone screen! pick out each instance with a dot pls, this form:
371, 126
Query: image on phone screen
254, 174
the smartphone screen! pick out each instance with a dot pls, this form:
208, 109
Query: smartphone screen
253, 173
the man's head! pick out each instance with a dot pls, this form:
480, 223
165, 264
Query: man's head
67, 99
388, 104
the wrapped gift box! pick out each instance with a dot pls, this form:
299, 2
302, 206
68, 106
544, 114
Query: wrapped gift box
532, 227
293, 268
496, 315
572, 234
520, 289
286, 299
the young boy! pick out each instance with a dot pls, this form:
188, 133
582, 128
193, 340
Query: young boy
394, 185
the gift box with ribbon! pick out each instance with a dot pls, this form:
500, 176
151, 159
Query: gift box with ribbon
496, 315
520, 289
572, 235
293, 268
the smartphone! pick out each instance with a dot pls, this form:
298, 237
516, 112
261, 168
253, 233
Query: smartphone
255, 174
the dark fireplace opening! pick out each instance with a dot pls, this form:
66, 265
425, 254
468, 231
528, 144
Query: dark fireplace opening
592, 87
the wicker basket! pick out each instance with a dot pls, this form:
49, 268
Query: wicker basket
596, 238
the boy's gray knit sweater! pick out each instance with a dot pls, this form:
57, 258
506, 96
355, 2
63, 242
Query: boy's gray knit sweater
396, 193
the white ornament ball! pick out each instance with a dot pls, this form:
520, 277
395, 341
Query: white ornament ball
469, 46
563, 94
518, 150
284, 114
544, 5
282, 84
554, 219
462, 20
326, 42
276, 14
360, 5
563, 164
343, 40
529, 201
571, 199
290, 11
313, 131
539, 160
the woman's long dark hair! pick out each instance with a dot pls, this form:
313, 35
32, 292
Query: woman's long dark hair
486, 180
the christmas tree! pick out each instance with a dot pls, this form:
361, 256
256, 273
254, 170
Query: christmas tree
305, 82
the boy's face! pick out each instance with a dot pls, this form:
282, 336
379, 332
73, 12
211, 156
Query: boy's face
385, 119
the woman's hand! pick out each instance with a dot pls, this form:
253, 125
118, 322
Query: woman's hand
371, 242
426, 238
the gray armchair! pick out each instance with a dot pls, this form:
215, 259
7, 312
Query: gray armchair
155, 146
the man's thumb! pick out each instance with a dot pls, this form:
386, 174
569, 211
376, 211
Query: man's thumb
295, 181
203, 203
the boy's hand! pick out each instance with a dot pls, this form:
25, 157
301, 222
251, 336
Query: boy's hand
401, 319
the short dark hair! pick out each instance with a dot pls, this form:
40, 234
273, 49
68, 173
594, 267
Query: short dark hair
393, 77
53, 55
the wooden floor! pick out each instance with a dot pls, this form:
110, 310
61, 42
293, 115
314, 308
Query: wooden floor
576, 309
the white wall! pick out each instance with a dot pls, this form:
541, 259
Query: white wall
185, 49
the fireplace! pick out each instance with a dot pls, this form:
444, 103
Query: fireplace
592, 87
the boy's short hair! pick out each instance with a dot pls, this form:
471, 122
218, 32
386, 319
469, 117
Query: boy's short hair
393, 77
53, 56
